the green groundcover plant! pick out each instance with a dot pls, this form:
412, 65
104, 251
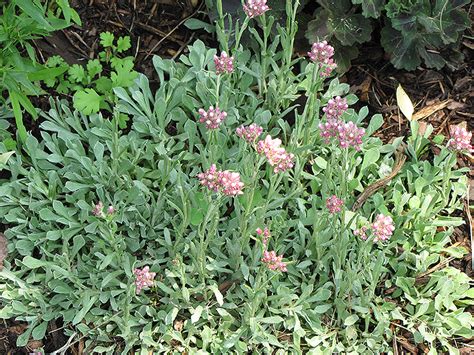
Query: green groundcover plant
227, 220
91, 86
21, 22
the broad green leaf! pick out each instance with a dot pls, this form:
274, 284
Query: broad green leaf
39, 331
5, 156
15, 101
352, 319
33, 263
87, 303
196, 314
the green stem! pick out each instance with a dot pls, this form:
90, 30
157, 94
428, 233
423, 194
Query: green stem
311, 100
263, 82
203, 231
248, 207
275, 179
218, 84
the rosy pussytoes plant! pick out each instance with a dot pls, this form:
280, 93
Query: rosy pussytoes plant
249, 133
254, 8
350, 135
276, 155
98, 209
335, 107
361, 232
347, 134
321, 54
382, 227
143, 278
265, 233
212, 118
329, 129
226, 182
273, 261
224, 63
334, 204
460, 139
230, 183
209, 178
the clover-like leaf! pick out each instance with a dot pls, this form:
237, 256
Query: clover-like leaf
422, 30
124, 74
94, 67
76, 73
87, 101
317, 28
123, 44
106, 39
447, 19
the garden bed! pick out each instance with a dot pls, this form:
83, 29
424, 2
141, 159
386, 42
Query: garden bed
443, 98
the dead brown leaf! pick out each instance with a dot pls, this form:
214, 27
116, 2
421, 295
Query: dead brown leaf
178, 325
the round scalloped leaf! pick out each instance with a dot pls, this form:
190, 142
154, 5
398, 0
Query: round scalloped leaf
317, 28
403, 51
371, 8
350, 29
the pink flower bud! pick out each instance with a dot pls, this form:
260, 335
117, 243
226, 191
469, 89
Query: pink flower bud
322, 53
212, 118
334, 204
254, 8
224, 63
460, 139
143, 278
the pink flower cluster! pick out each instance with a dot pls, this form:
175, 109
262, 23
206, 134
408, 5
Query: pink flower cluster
143, 278
98, 210
334, 204
460, 139
213, 117
249, 133
266, 235
274, 262
361, 232
322, 53
276, 155
255, 8
348, 134
383, 227
330, 129
226, 181
335, 108
224, 63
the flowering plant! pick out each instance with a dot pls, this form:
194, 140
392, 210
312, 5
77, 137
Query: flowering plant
184, 261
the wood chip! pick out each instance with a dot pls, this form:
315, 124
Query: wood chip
429, 110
